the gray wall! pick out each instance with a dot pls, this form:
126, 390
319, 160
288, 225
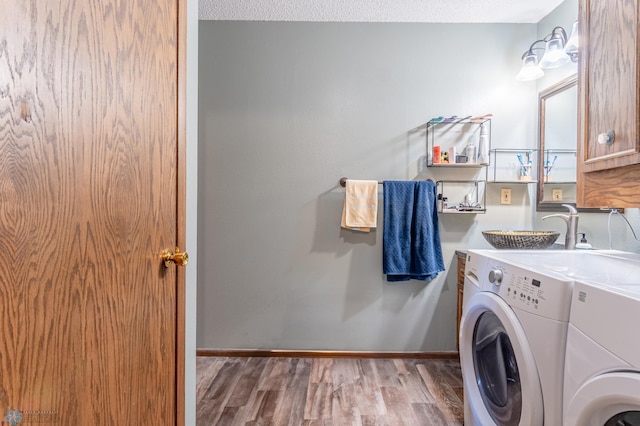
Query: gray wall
285, 110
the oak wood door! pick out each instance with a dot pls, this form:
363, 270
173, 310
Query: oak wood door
88, 200
608, 94
610, 82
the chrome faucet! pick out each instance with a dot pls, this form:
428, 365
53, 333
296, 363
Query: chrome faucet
572, 226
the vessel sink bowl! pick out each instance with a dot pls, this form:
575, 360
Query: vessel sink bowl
529, 240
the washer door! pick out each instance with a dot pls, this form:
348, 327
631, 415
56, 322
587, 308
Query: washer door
610, 399
499, 372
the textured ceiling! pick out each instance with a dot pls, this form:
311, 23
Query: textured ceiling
461, 11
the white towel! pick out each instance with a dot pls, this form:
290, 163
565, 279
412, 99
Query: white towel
360, 212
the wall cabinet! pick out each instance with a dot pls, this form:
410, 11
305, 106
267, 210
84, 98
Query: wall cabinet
608, 144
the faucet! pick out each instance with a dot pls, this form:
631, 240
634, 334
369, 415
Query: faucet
572, 226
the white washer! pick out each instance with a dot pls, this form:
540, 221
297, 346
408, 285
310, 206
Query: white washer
602, 374
512, 340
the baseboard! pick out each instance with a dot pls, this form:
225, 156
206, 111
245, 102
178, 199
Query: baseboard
323, 354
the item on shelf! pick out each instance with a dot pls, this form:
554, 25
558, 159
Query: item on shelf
462, 119
452, 154
525, 166
480, 119
469, 207
471, 152
436, 154
469, 203
483, 145
450, 119
548, 167
443, 202
461, 159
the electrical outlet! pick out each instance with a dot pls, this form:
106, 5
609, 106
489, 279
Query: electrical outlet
505, 196
556, 195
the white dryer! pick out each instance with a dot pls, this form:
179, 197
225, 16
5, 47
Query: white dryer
602, 374
512, 340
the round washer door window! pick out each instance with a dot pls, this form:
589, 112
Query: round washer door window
628, 418
496, 369
499, 371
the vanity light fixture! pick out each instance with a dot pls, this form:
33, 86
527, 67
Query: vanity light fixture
571, 46
530, 68
554, 54
558, 52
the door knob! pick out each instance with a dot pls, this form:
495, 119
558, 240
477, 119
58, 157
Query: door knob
607, 138
176, 257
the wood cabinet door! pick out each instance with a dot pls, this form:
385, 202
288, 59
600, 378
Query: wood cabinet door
88, 200
609, 83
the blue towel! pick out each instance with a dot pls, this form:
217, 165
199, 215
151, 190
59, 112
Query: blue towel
411, 239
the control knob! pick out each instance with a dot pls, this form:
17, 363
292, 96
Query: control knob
495, 276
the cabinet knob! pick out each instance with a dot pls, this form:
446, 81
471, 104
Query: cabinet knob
607, 138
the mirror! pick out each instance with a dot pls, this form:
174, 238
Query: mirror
557, 143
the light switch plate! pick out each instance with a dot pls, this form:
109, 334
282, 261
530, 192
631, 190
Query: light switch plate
505, 196
556, 195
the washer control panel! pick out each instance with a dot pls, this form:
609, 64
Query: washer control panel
529, 290
526, 290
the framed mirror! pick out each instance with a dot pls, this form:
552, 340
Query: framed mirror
557, 143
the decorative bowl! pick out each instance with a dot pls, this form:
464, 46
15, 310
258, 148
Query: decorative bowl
532, 240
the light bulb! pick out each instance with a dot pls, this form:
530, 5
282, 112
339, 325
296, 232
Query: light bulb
530, 69
571, 48
554, 55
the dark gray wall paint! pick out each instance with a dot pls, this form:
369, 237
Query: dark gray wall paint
285, 110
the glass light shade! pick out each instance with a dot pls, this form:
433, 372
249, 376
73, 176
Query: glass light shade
571, 48
530, 69
554, 55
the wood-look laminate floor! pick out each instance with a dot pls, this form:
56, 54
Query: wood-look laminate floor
328, 391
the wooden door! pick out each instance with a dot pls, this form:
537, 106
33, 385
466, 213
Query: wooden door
608, 93
88, 200
610, 75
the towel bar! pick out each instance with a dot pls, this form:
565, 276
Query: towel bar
343, 181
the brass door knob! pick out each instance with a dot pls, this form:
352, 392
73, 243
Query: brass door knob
176, 257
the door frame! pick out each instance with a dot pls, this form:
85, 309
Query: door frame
181, 214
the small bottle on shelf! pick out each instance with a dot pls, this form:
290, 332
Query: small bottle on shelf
471, 152
483, 145
452, 154
437, 155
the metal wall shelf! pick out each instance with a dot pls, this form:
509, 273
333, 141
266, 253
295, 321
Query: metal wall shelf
462, 196
513, 166
455, 135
